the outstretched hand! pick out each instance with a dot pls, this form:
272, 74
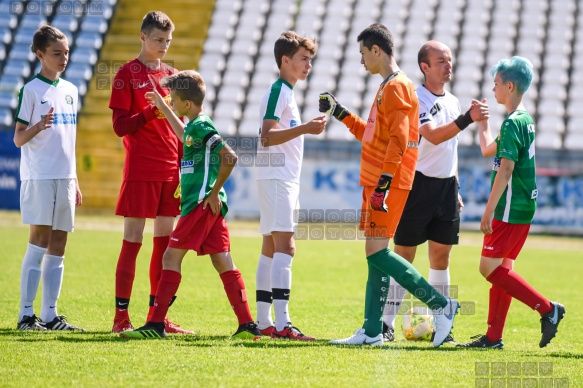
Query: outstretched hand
316, 126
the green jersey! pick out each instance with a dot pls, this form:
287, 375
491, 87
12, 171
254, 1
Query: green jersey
516, 142
200, 164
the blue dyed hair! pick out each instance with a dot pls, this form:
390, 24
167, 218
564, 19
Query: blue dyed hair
517, 70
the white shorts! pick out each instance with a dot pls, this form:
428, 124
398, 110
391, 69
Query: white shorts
49, 202
278, 205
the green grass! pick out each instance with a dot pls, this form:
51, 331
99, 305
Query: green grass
327, 302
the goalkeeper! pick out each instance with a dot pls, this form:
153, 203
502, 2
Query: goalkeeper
389, 139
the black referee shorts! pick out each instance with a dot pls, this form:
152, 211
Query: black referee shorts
431, 212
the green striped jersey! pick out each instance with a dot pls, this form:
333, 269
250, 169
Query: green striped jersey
516, 142
200, 164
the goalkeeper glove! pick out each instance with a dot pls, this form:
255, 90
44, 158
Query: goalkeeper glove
377, 201
329, 105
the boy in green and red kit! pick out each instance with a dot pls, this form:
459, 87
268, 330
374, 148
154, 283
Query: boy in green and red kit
207, 163
510, 208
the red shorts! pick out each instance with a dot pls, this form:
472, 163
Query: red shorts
201, 231
377, 223
506, 240
145, 199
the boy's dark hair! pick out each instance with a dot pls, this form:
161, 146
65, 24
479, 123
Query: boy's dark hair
377, 34
156, 19
187, 84
44, 36
289, 43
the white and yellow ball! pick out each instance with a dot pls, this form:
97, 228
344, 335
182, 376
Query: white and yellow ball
417, 324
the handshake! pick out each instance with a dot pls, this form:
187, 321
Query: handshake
329, 105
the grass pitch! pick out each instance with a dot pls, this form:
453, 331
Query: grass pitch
328, 300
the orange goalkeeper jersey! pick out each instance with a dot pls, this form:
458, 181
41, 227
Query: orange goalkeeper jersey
390, 137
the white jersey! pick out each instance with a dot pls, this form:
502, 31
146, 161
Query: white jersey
51, 153
283, 161
437, 161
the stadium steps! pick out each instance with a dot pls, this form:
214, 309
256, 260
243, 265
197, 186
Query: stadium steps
100, 153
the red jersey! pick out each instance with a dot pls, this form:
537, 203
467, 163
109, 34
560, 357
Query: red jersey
152, 147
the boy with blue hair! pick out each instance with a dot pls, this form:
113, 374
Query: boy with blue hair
511, 207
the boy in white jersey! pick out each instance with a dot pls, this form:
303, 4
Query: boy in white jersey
46, 124
432, 211
279, 162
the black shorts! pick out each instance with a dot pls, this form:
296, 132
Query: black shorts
431, 213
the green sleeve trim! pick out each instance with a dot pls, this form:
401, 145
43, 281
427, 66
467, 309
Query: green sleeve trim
272, 102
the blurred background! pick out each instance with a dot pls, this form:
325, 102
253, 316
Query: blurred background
230, 42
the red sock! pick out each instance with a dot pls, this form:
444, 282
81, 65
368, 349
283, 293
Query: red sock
167, 287
497, 312
160, 245
235, 289
126, 269
518, 288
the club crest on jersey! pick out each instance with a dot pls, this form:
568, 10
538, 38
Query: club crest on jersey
188, 142
69, 99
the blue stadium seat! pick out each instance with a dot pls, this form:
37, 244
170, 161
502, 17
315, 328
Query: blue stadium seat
81, 84
95, 23
5, 35
78, 70
24, 34
8, 100
32, 21
6, 118
17, 67
8, 20
21, 51
10, 83
65, 23
89, 39
84, 55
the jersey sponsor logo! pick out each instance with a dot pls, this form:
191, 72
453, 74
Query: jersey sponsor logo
143, 85
488, 248
187, 163
496, 164
69, 99
64, 118
293, 123
189, 141
44, 102
187, 170
413, 144
534, 194
435, 109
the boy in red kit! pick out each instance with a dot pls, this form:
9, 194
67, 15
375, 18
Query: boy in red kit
150, 176
207, 163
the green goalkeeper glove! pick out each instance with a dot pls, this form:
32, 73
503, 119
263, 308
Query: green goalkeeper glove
330, 106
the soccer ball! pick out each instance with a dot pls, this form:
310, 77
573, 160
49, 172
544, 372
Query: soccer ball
417, 324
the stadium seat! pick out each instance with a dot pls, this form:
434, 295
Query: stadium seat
8, 100
11, 83
574, 141
79, 70
89, 39
21, 51
6, 118
94, 23
65, 22
86, 55
18, 67
550, 140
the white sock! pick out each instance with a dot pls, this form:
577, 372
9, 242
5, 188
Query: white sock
394, 302
439, 279
281, 278
263, 293
52, 274
30, 279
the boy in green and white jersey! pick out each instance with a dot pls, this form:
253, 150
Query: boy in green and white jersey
511, 207
206, 165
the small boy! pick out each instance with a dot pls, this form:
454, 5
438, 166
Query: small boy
207, 163
46, 126
511, 207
